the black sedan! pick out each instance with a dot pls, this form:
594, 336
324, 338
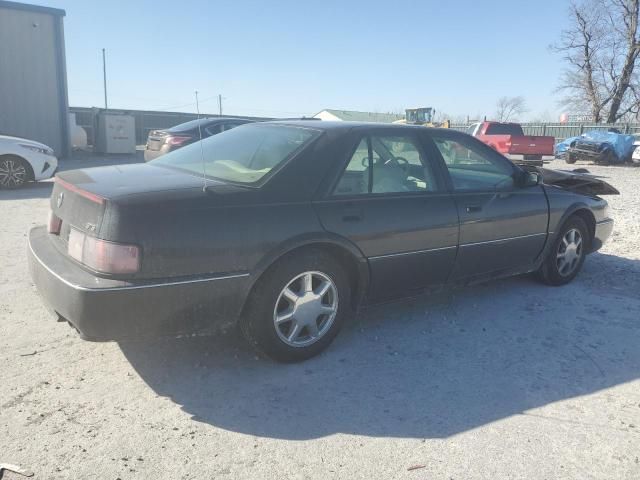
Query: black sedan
164, 141
286, 227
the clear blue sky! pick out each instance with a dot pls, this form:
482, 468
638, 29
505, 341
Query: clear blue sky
286, 58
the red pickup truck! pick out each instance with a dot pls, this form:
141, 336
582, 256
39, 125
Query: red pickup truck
510, 140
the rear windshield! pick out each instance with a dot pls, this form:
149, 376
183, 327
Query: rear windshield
241, 155
504, 129
184, 127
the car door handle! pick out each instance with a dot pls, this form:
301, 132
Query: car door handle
352, 215
473, 208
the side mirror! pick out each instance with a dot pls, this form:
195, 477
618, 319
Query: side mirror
531, 179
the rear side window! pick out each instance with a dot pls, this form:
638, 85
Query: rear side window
386, 164
504, 129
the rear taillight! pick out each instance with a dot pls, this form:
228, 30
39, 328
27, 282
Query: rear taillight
101, 255
176, 141
83, 193
55, 223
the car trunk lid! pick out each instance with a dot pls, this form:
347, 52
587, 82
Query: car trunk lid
80, 198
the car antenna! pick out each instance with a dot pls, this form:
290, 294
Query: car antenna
204, 174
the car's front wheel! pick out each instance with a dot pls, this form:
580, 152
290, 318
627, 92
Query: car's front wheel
297, 308
14, 172
567, 254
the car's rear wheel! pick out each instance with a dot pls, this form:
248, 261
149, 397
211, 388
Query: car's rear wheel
297, 308
14, 172
567, 254
570, 158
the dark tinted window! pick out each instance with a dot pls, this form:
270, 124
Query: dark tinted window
184, 127
504, 129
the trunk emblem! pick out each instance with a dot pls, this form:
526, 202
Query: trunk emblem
60, 199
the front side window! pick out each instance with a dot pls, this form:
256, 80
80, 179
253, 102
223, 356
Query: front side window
386, 164
241, 155
472, 166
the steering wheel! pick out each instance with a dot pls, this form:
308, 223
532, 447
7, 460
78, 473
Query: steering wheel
401, 162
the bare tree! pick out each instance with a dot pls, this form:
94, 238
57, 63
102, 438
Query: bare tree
509, 108
601, 49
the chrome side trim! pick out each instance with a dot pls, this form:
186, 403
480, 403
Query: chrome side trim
502, 239
410, 253
131, 287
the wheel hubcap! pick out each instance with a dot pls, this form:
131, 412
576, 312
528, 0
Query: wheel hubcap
305, 309
569, 252
12, 173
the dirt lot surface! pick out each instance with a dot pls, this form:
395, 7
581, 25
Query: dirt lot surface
510, 379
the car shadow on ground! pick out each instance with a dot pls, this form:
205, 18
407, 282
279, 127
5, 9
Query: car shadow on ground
429, 367
30, 190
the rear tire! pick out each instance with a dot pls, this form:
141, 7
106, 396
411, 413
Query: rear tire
567, 254
569, 158
289, 315
14, 172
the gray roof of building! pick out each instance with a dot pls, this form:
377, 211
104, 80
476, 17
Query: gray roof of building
32, 8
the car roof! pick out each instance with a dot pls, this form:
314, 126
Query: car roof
338, 125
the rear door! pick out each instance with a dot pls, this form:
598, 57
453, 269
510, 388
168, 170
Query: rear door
503, 226
391, 202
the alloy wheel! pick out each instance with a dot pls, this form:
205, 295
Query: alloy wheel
12, 173
306, 308
569, 252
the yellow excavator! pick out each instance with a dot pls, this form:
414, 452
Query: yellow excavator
423, 116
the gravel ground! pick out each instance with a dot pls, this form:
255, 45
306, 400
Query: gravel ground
510, 379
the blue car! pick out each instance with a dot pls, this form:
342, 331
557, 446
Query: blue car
605, 147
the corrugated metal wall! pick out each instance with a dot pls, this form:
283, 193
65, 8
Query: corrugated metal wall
30, 90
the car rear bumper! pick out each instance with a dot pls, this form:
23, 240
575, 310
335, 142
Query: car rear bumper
105, 309
153, 154
602, 233
530, 158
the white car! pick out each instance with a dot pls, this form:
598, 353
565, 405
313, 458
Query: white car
23, 160
635, 157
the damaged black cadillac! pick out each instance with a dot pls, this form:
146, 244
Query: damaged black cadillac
285, 228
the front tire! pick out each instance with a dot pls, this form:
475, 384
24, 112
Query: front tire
567, 254
570, 158
14, 172
298, 306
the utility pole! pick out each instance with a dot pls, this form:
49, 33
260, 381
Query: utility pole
104, 77
220, 104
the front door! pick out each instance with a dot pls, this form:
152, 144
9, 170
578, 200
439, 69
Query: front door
503, 226
391, 204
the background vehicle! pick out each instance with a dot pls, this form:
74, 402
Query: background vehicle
422, 116
164, 141
23, 160
606, 147
289, 245
635, 157
510, 140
